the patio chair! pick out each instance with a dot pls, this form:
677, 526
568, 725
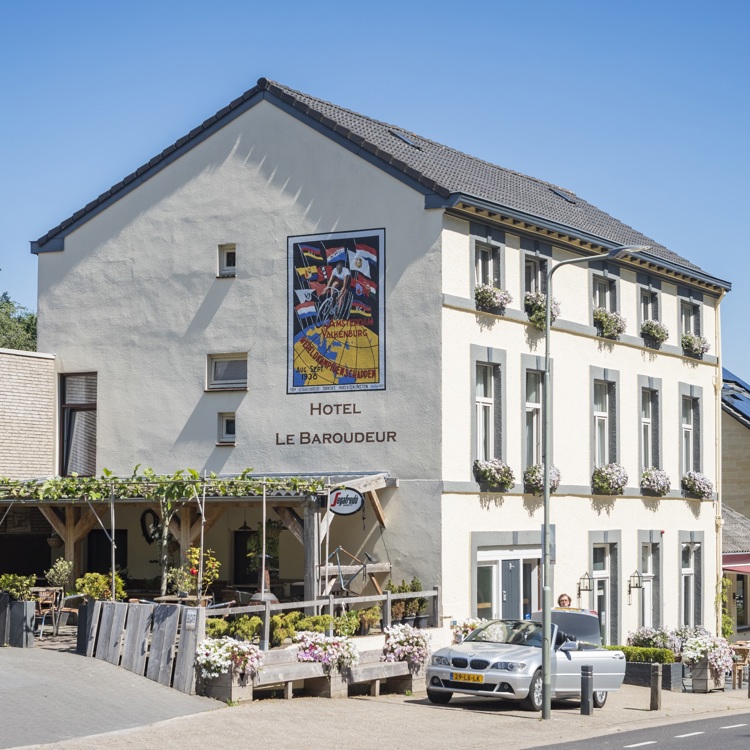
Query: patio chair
741, 662
46, 607
68, 605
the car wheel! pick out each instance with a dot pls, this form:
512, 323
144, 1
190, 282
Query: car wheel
600, 698
533, 701
440, 698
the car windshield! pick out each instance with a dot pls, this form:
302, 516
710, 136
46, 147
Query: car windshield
516, 632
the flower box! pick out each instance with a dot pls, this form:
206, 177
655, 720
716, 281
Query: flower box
230, 686
535, 305
334, 685
611, 325
21, 624
609, 480
639, 673
491, 299
694, 346
494, 475
654, 333
704, 678
697, 485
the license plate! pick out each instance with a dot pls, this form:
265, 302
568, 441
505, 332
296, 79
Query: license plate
463, 677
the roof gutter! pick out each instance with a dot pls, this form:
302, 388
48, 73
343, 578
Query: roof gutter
435, 201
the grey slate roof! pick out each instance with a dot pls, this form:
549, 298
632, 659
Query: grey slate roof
735, 534
440, 169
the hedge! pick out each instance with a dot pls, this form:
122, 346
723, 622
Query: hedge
648, 655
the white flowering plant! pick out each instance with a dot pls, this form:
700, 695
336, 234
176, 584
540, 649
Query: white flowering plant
333, 652
674, 639
405, 643
535, 305
695, 346
610, 479
611, 325
656, 482
533, 479
462, 628
491, 299
697, 485
715, 650
495, 474
216, 656
654, 331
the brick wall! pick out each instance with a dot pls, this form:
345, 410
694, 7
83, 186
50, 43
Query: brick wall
735, 450
27, 414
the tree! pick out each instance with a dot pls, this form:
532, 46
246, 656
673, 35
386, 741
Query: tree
17, 325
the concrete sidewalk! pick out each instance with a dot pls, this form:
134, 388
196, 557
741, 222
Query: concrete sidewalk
84, 703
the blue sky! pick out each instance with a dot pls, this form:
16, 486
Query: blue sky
640, 107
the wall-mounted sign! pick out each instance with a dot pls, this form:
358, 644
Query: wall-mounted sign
344, 502
336, 312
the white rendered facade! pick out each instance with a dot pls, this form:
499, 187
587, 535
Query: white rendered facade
143, 295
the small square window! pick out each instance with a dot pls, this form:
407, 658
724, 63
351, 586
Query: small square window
227, 428
227, 371
228, 260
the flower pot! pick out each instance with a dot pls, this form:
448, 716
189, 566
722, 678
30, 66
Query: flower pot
420, 621
364, 628
230, 686
21, 630
704, 678
409, 620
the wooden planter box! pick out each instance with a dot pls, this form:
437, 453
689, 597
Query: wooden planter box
21, 624
230, 686
704, 681
333, 685
639, 673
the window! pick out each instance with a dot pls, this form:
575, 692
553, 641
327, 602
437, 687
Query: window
688, 558
485, 260
690, 452
533, 417
227, 371
227, 428
78, 424
649, 429
601, 423
601, 567
690, 319
485, 412
228, 260
533, 271
508, 582
604, 293
647, 592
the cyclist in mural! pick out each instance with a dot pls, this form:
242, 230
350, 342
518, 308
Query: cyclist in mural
337, 285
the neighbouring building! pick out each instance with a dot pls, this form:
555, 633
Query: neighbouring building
296, 288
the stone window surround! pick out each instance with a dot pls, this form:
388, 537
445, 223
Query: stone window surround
613, 378
694, 537
482, 355
694, 392
652, 384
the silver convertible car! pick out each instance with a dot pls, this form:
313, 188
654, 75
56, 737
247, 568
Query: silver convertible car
503, 659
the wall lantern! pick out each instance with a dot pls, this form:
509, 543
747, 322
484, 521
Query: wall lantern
634, 582
585, 583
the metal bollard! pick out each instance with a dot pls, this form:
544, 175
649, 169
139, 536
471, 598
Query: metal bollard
655, 687
587, 689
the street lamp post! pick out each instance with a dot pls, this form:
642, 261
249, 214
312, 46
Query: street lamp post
617, 252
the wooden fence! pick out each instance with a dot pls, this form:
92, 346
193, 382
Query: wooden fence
159, 641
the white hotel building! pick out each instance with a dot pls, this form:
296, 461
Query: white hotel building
184, 308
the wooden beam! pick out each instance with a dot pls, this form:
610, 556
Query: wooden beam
292, 522
367, 483
58, 526
213, 514
376, 507
69, 535
89, 518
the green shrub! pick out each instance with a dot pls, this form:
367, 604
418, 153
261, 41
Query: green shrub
347, 623
315, 623
97, 586
17, 587
647, 655
245, 627
216, 627
285, 626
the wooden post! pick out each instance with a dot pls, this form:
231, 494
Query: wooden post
655, 687
437, 612
312, 552
264, 641
387, 610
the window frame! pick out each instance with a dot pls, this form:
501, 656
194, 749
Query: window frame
225, 437
601, 422
691, 302
225, 269
611, 378
533, 409
651, 288
66, 410
692, 459
496, 360
213, 384
536, 254
491, 242
485, 413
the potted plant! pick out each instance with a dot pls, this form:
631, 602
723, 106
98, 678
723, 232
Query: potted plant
59, 575
655, 482
533, 479
489, 298
99, 586
368, 618
404, 643
494, 474
611, 325
694, 346
697, 485
535, 305
227, 668
335, 654
610, 479
397, 605
420, 606
654, 332
17, 608
410, 605
710, 658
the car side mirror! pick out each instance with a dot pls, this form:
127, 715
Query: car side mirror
569, 646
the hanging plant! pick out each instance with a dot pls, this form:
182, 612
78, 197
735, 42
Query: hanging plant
491, 299
694, 346
697, 485
609, 480
611, 325
495, 474
535, 304
654, 331
655, 482
533, 479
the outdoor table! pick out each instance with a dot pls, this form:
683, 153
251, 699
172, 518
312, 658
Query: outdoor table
192, 600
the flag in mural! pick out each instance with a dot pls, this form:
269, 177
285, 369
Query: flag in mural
336, 339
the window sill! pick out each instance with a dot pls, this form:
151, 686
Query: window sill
242, 389
226, 276
225, 445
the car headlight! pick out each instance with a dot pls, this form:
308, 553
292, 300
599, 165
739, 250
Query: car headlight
509, 666
442, 661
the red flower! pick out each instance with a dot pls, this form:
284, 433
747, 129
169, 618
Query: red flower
193, 571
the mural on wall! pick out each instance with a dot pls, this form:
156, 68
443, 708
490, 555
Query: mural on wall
336, 334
